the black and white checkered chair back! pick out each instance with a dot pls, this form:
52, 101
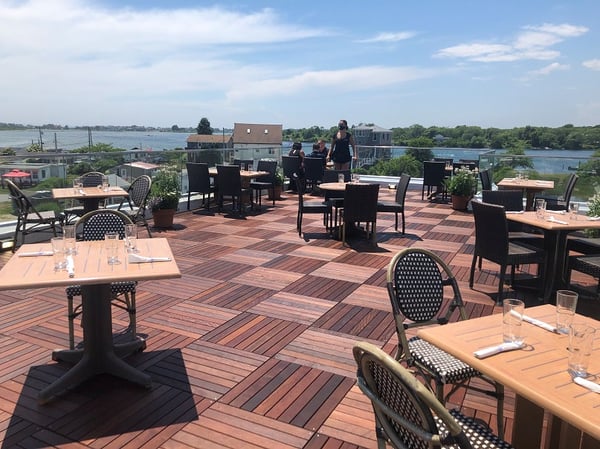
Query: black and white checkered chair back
418, 287
139, 189
96, 226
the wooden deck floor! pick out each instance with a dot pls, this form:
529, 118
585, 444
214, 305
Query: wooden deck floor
250, 348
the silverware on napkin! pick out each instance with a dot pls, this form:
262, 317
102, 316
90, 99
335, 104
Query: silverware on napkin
136, 258
497, 349
553, 219
540, 323
35, 254
592, 386
70, 266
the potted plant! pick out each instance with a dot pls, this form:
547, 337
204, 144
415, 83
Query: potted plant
164, 197
461, 186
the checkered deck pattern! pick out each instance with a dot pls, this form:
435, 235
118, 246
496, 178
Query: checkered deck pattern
250, 348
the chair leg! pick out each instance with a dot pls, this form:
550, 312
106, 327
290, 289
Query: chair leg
71, 318
472, 272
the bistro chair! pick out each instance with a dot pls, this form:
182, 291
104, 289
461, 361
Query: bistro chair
89, 179
397, 206
360, 206
313, 171
492, 242
407, 414
93, 226
199, 182
310, 207
136, 200
29, 219
486, 179
560, 202
417, 280
265, 181
229, 184
289, 165
434, 175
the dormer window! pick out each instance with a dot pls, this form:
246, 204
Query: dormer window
266, 131
248, 130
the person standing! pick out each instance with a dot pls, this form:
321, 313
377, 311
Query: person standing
340, 148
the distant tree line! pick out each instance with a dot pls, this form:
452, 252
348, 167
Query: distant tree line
565, 137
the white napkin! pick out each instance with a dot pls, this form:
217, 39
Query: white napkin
593, 218
70, 266
592, 386
514, 212
553, 219
81, 192
136, 258
36, 253
540, 323
491, 350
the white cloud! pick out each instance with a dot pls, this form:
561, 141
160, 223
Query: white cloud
532, 44
550, 68
388, 37
593, 64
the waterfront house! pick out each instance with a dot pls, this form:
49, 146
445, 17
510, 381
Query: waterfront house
202, 141
256, 141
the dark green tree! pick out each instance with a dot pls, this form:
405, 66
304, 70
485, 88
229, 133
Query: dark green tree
204, 127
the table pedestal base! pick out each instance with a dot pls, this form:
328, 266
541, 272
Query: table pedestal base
99, 355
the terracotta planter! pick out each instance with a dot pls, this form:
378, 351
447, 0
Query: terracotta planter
163, 218
460, 202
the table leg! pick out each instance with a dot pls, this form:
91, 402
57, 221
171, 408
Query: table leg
90, 204
528, 423
555, 245
98, 355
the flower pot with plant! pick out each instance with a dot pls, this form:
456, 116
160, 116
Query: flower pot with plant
461, 186
277, 186
164, 197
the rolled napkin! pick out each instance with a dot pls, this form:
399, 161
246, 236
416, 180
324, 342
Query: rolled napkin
553, 219
592, 386
70, 266
497, 349
81, 192
514, 212
36, 253
136, 258
540, 323
593, 218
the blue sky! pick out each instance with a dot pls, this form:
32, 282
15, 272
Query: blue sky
300, 63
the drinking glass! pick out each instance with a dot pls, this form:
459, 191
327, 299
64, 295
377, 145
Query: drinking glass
540, 208
105, 183
581, 339
131, 236
111, 244
340, 177
58, 253
512, 320
566, 303
574, 210
70, 241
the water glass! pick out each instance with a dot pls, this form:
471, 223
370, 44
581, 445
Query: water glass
340, 177
574, 210
112, 244
58, 253
540, 208
512, 320
70, 240
566, 303
105, 183
131, 231
581, 339
77, 185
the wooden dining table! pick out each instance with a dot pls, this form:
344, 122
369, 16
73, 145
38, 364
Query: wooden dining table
89, 196
32, 266
537, 374
555, 225
529, 187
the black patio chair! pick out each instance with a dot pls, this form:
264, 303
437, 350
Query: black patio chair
434, 175
587, 259
560, 202
486, 179
492, 243
313, 171
229, 184
244, 164
397, 206
136, 201
89, 179
29, 219
199, 182
407, 414
93, 226
416, 283
264, 182
360, 206
289, 165
310, 207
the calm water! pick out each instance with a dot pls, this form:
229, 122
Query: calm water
545, 161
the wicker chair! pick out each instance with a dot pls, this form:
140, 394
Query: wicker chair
199, 182
560, 202
310, 207
416, 280
588, 260
360, 206
397, 206
289, 165
93, 226
29, 219
407, 414
492, 243
265, 181
486, 179
89, 179
136, 200
313, 171
229, 184
434, 175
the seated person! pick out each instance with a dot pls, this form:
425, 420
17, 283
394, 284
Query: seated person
319, 150
299, 172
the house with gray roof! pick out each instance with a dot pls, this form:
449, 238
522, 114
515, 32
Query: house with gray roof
372, 135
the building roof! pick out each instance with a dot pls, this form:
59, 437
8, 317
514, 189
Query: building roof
373, 128
209, 138
248, 133
142, 165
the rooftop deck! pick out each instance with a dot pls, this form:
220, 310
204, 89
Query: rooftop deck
250, 348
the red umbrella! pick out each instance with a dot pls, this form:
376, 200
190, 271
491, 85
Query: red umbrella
15, 173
